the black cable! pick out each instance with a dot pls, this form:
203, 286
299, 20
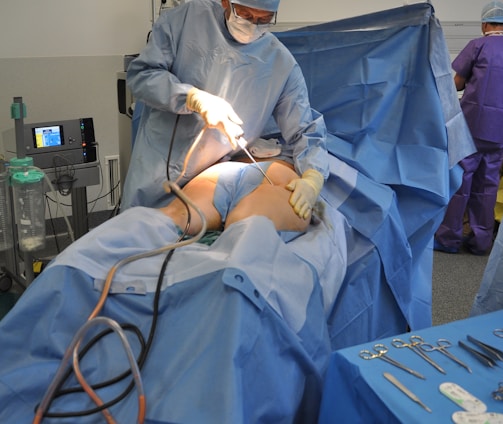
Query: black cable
160, 7
116, 209
141, 359
145, 346
71, 390
90, 201
145, 349
172, 141
168, 160
51, 220
64, 180
99, 193
89, 345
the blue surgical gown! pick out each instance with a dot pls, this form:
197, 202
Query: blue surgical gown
190, 46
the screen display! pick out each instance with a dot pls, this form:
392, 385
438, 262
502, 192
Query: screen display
48, 136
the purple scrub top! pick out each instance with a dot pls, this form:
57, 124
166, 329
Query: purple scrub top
481, 64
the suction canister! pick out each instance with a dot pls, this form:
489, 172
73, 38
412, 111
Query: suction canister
6, 239
29, 205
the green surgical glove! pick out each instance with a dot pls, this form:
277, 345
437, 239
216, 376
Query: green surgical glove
305, 192
216, 112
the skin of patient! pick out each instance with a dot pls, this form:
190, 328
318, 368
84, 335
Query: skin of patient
266, 200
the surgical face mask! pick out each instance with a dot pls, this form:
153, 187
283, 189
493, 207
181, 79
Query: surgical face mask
244, 31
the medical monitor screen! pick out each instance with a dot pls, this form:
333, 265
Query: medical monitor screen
48, 136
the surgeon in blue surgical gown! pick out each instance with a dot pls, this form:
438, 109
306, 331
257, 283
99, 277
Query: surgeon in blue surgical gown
212, 66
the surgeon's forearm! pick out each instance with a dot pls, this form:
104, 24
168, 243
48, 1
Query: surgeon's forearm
157, 87
302, 127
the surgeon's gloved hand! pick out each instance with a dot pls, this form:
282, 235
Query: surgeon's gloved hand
305, 192
217, 113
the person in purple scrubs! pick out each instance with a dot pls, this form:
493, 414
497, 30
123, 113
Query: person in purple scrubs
479, 72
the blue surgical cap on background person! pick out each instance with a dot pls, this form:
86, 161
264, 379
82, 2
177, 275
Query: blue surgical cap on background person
271, 5
493, 12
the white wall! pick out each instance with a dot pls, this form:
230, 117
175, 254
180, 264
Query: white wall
34, 28
327, 10
62, 56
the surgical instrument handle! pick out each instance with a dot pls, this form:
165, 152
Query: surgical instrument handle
405, 390
243, 143
442, 346
399, 343
381, 351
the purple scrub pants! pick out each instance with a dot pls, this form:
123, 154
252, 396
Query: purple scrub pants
476, 196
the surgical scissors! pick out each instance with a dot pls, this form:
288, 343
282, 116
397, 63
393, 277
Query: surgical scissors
442, 346
415, 342
380, 353
498, 332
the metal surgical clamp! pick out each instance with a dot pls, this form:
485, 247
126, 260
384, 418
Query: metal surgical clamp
242, 143
415, 342
381, 351
442, 345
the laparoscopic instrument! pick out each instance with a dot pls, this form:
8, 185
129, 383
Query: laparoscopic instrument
243, 143
414, 343
380, 353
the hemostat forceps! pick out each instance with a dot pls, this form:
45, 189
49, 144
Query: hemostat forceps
415, 342
242, 143
442, 345
381, 351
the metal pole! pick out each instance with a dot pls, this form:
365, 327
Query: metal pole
18, 115
153, 12
18, 112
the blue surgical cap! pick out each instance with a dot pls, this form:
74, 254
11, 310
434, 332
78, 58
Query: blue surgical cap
493, 12
271, 5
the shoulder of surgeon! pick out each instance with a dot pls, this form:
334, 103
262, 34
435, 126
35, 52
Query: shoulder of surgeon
196, 15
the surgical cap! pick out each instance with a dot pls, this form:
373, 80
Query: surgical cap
271, 5
493, 12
